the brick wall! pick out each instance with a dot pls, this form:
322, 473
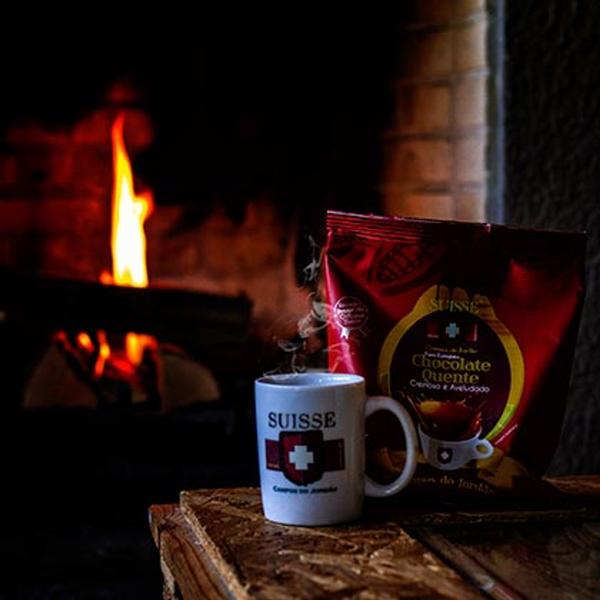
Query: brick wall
435, 149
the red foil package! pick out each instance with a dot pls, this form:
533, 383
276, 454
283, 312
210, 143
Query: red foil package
471, 327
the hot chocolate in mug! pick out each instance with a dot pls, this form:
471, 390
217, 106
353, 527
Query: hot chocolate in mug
311, 447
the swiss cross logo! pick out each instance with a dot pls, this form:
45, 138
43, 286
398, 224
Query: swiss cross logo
303, 456
300, 457
452, 330
444, 455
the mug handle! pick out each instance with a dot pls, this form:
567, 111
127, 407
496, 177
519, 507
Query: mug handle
379, 490
482, 449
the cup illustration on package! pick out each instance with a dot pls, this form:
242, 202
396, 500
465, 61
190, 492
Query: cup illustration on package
448, 455
450, 432
459, 369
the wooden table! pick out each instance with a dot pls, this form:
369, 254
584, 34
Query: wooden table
217, 544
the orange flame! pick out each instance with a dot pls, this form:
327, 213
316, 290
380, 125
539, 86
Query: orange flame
86, 345
103, 353
128, 240
129, 212
84, 341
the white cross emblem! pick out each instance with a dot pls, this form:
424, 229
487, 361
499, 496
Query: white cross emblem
452, 330
300, 457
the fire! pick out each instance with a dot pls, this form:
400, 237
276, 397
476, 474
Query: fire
128, 239
84, 341
128, 245
103, 353
129, 213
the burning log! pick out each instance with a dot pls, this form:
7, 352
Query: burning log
179, 381
209, 327
113, 339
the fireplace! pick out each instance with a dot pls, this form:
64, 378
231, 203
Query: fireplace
244, 135
244, 150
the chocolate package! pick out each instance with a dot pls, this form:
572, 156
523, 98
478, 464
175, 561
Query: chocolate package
472, 328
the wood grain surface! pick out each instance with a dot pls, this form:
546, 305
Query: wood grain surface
260, 559
530, 561
552, 553
187, 570
217, 544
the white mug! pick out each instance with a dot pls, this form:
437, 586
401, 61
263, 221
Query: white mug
311, 447
449, 455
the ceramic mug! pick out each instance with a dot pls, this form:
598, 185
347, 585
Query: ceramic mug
311, 447
449, 455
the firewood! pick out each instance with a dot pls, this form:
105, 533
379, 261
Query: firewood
54, 383
206, 325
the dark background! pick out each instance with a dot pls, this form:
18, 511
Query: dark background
241, 108
552, 177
